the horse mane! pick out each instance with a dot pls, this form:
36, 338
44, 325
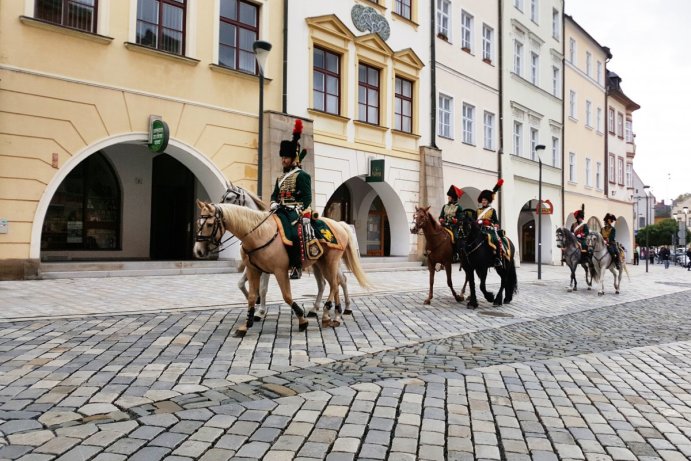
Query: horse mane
250, 217
435, 222
261, 205
568, 235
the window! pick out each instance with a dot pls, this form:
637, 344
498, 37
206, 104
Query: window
629, 131
402, 8
588, 63
572, 104
587, 173
620, 124
466, 31
598, 77
588, 114
237, 32
556, 81
610, 120
555, 152
518, 4
445, 116
77, 14
85, 211
403, 113
489, 130
487, 42
517, 57
572, 51
598, 125
444, 18
620, 171
572, 167
611, 167
161, 25
368, 94
534, 11
555, 24
327, 81
534, 68
629, 175
468, 123
598, 175
517, 138
533, 143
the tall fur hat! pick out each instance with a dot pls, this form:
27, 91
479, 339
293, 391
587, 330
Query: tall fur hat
489, 194
580, 214
454, 192
609, 217
292, 148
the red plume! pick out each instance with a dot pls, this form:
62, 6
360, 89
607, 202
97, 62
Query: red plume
297, 130
498, 186
459, 192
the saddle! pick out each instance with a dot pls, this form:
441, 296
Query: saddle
505, 242
311, 237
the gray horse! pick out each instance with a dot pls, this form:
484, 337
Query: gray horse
602, 261
573, 256
242, 197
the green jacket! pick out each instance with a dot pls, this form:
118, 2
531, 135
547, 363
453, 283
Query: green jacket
295, 189
451, 215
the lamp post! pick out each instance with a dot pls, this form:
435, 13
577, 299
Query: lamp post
647, 223
681, 217
261, 52
538, 148
685, 210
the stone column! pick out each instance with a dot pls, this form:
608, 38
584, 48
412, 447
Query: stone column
431, 185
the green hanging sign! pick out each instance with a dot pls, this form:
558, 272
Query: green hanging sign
158, 135
376, 168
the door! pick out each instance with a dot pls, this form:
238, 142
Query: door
378, 240
172, 209
528, 242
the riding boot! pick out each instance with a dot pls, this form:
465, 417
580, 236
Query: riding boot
295, 261
617, 261
497, 260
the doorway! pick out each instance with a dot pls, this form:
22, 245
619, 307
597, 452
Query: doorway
172, 209
378, 233
528, 242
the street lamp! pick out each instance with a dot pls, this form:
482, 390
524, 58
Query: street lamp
538, 148
261, 52
647, 223
681, 217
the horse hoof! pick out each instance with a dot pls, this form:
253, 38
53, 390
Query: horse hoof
326, 323
311, 314
427, 302
303, 326
240, 333
600, 293
589, 288
335, 323
616, 292
257, 318
347, 312
459, 298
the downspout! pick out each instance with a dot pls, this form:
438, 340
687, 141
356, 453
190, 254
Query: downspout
605, 174
563, 117
433, 76
500, 60
284, 107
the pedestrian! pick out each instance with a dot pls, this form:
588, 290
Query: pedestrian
664, 256
688, 258
636, 256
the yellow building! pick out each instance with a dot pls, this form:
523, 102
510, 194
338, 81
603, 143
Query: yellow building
81, 83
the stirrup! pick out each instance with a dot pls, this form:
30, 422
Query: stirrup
296, 273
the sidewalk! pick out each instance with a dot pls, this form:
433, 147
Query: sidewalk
120, 295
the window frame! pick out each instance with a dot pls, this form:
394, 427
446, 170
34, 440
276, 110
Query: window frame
535, 68
572, 50
400, 7
588, 172
555, 152
327, 74
444, 16
517, 138
400, 117
180, 4
445, 112
487, 43
239, 25
620, 171
598, 122
468, 123
588, 63
572, 167
488, 120
518, 4
588, 113
598, 175
534, 11
518, 57
467, 29
620, 125
611, 169
64, 15
556, 30
367, 86
610, 120
556, 81
629, 174
572, 104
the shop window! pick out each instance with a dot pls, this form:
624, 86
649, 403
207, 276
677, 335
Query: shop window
84, 213
76, 14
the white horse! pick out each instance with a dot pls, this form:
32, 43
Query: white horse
242, 197
603, 261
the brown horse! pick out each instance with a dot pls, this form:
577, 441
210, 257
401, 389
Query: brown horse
263, 252
439, 249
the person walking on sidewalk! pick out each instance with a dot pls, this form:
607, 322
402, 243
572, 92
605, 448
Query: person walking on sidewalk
636, 256
664, 256
688, 258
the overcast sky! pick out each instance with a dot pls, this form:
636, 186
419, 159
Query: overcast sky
650, 42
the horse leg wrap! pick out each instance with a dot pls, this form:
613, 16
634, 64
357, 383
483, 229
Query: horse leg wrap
327, 305
250, 317
297, 309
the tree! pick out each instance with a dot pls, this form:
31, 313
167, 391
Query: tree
682, 197
661, 233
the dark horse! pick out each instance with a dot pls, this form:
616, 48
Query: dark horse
574, 257
477, 257
439, 249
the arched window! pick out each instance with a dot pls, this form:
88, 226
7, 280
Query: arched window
85, 211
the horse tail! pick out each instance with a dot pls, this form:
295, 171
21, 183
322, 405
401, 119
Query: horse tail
512, 282
352, 258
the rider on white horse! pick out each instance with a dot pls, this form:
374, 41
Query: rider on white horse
609, 233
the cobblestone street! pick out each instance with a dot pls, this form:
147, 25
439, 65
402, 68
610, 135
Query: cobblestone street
148, 368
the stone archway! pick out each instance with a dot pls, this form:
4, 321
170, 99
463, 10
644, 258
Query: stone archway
531, 236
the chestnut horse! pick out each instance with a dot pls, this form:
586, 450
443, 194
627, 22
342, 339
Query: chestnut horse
439, 249
263, 251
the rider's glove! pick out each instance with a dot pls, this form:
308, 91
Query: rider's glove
273, 206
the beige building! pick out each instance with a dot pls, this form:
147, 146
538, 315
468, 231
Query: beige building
79, 88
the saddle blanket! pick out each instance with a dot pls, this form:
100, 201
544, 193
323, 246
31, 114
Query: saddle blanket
322, 232
504, 243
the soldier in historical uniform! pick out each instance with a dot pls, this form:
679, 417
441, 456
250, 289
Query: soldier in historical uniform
489, 221
452, 213
609, 233
292, 197
580, 228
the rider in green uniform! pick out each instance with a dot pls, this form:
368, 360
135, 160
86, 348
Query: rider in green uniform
609, 233
580, 228
292, 197
452, 214
489, 221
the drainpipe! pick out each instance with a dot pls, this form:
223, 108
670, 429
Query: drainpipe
433, 76
605, 173
563, 117
284, 107
500, 121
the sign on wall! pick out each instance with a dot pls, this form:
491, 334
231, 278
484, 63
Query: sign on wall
376, 171
158, 134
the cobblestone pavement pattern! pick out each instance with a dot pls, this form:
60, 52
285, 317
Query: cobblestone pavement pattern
147, 368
